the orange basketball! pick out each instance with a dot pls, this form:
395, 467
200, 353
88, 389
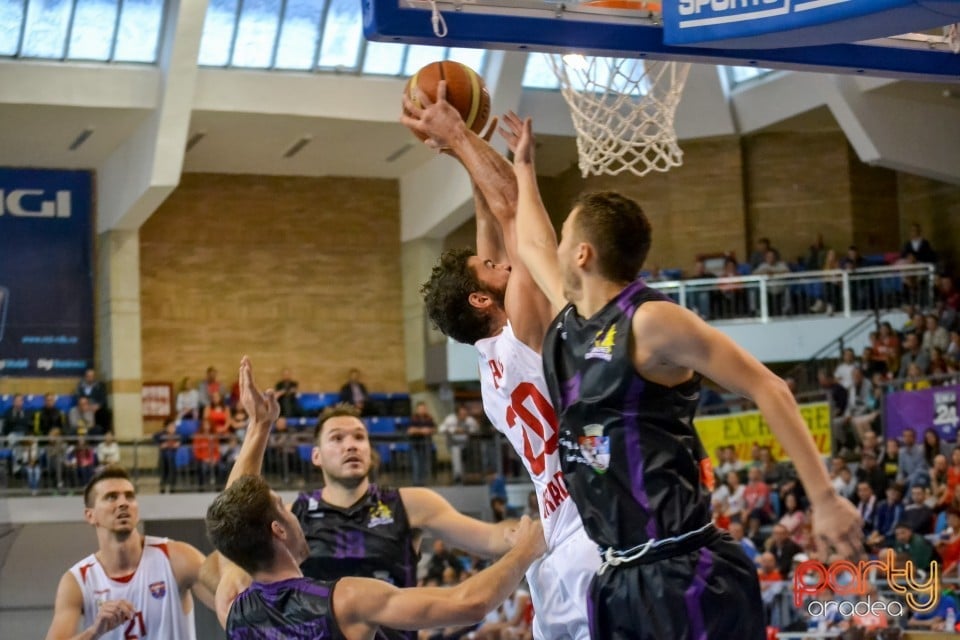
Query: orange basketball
466, 91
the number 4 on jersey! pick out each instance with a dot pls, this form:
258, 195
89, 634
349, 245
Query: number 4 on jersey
532, 424
135, 627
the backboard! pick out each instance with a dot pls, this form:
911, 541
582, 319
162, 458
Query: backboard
855, 36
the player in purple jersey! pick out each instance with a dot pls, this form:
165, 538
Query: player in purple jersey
623, 367
250, 526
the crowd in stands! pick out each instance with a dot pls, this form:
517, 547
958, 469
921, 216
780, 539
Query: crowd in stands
729, 299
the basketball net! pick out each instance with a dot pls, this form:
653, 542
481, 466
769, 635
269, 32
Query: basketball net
623, 110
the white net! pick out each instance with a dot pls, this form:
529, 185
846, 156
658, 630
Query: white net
623, 110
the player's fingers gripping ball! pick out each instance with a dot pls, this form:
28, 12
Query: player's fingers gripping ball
466, 92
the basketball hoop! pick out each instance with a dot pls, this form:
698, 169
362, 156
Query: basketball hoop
623, 110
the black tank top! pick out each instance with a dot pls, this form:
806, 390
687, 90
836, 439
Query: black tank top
632, 461
299, 608
370, 539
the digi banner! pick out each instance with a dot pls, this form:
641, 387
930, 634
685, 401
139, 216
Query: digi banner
934, 408
748, 428
46, 273
774, 24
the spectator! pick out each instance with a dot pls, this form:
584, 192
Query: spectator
949, 546
859, 291
933, 446
55, 453
93, 390
940, 487
871, 443
354, 392
889, 460
935, 619
701, 298
772, 471
816, 254
938, 364
777, 291
848, 484
917, 514
915, 380
920, 552
728, 461
458, 427
913, 466
757, 497
886, 516
108, 451
27, 457
281, 451
783, 549
188, 400
16, 422
737, 533
206, 453
532, 508
913, 353
733, 297
49, 417
441, 560
498, 509
731, 495
761, 248
288, 391
208, 386
918, 247
229, 451
935, 336
81, 420
843, 373
793, 519
886, 349
216, 413
755, 532
768, 571
496, 484
168, 441
839, 399
238, 422
866, 505
420, 432
80, 461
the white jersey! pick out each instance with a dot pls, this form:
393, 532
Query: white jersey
152, 590
516, 400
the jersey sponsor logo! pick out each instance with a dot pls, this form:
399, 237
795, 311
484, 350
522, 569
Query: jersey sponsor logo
380, 515
100, 596
158, 589
554, 495
595, 447
602, 348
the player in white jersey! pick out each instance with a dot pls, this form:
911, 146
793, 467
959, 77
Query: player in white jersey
133, 586
481, 300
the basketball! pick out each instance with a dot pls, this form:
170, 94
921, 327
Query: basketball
466, 91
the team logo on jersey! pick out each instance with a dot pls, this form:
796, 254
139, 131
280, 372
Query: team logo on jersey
158, 589
380, 515
603, 345
595, 447
100, 596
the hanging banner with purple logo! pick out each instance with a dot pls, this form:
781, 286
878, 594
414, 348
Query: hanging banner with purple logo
934, 408
46, 273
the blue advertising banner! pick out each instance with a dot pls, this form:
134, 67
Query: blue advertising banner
46, 272
934, 408
757, 24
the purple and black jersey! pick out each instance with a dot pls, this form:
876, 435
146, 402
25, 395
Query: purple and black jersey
632, 460
637, 471
370, 539
295, 609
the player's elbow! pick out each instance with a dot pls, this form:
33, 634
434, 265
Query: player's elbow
775, 390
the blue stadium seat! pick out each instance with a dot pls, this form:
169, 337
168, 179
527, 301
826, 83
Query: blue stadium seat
311, 402
402, 422
305, 453
384, 451
6, 454
5, 403
33, 402
329, 399
671, 274
381, 426
65, 403
187, 428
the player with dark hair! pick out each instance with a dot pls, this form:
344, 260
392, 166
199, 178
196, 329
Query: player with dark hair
134, 586
622, 363
491, 301
353, 526
249, 525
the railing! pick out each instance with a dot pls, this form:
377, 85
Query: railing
45, 466
761, 298
829, 355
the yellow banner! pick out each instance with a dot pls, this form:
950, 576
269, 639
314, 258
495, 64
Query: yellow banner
743, 430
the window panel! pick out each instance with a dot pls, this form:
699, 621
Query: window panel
11, 19
473, 58
340, 46
218, 33
46, 28
256, 33
421, 55
92, 34
299, 33
384, 58
138, 34
538, 73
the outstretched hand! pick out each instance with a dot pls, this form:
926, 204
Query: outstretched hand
518, 135
837, 524
262, 407
438, 120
